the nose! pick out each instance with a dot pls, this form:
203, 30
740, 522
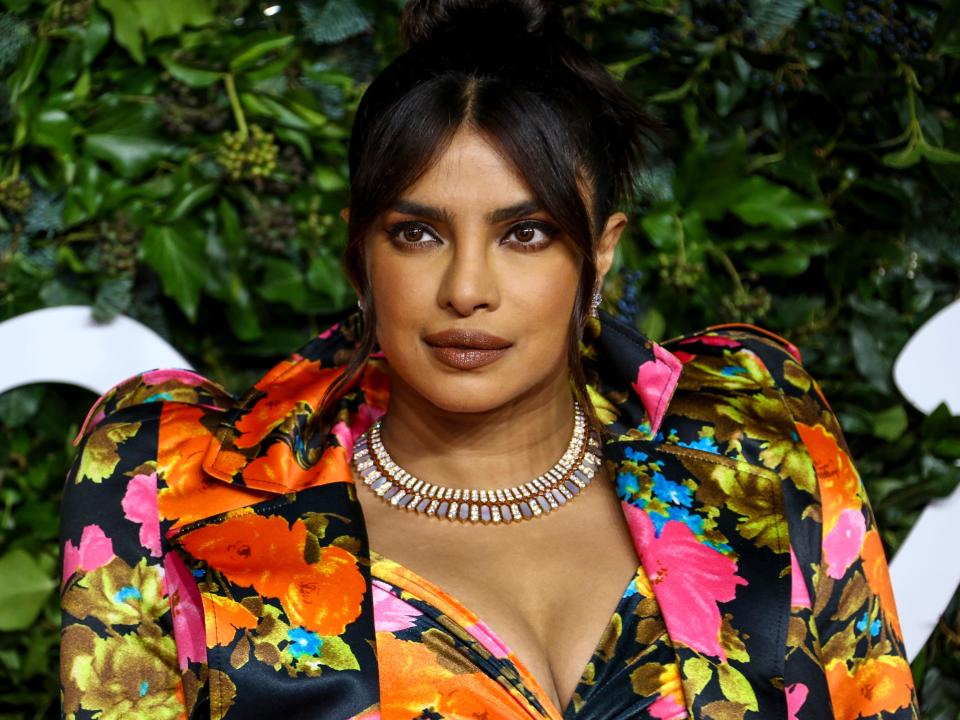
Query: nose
469, 281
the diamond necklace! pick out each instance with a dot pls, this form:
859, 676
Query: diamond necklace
540, 496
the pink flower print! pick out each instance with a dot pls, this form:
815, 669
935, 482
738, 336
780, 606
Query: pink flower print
715, 340
486, 637
688, 579
188, 628
360, 422
667, 708
95, 551
841, 546
796, 697
140, 506
328, 332
185, 377
799, 595
390, 613
656, 380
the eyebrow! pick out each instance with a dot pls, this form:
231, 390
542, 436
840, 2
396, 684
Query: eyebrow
525, 207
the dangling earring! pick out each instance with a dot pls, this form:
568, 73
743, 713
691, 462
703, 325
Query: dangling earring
595, 303
360, 304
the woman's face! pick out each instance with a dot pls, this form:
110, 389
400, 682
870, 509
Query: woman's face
472, 283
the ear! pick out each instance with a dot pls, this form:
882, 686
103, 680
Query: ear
345, 215
608, 243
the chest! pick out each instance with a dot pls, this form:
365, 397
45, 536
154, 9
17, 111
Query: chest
543, 586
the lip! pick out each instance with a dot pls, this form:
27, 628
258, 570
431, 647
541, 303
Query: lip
465, 349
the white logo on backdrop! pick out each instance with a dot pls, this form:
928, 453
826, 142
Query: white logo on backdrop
65, 345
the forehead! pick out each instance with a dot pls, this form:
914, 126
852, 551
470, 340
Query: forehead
470, 170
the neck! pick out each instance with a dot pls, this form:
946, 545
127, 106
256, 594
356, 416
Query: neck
499, 448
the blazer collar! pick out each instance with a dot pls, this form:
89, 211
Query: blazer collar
274, 438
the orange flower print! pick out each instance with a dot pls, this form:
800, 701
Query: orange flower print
189, 494
279, 470
879, 685
838, 479
252, 550
223, 617
413, 679
326, 597
304, 381
375, 383
267, 553
878, 577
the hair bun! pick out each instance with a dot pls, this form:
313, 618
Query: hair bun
423, 20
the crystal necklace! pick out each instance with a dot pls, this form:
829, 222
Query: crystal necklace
540, 496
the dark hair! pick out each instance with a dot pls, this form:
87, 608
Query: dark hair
507, 69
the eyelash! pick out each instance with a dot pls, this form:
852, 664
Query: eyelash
394, 231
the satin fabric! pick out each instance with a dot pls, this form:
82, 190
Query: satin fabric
216, 562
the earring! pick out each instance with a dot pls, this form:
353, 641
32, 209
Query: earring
595, 303
360, 304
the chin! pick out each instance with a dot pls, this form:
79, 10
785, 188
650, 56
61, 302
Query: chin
472, 396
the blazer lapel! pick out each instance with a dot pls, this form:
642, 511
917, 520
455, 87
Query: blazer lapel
696, 517
280, 553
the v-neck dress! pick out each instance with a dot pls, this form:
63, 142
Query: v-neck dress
437, 659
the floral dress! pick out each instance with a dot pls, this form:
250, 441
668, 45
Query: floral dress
215, 561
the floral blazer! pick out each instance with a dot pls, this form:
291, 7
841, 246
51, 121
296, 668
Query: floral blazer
215, 562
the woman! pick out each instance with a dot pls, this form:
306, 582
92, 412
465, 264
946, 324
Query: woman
476, 497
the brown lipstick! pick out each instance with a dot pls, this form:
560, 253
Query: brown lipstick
466, 349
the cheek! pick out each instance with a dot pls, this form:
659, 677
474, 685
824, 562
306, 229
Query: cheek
399, 297
546, 295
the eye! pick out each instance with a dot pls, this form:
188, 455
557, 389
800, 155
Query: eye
410, 234
532, 234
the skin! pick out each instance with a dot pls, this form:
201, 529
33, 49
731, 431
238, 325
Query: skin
510, 420
495, 426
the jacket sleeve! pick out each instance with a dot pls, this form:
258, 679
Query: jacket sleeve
843, 614
121, 585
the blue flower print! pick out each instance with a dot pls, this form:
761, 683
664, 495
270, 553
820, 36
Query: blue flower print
705, 443
303, 642
127, 592
627, 485
635, 455
874, 626
671, 492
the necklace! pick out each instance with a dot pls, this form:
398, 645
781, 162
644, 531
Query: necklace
540, 496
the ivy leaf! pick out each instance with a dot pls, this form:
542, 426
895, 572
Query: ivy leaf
910, 155
193, 77
868, 358
136, 20
130, 155
178, 255
20, 404
891, 423
251, 53
282, 282
336, 21
113, 298
765, 203
770, 18
24, 588
939, 154
14, 36
54, 129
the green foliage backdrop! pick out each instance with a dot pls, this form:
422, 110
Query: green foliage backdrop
183, 162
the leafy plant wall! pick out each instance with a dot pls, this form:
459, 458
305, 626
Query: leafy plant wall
183, 162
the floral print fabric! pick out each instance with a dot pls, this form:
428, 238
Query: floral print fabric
215, 562
434, 652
